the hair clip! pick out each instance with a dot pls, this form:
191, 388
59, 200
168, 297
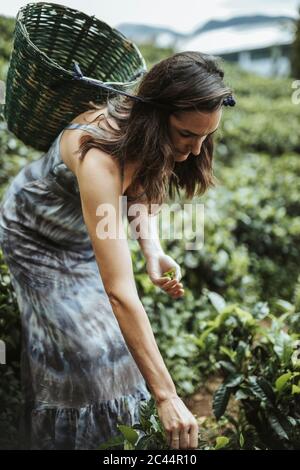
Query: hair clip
229, 101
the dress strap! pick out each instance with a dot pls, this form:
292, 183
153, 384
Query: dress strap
74, 125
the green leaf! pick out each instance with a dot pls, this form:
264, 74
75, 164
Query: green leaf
245, 316
283, 347
285, 306
220, 400
241, 395
266, 387
128, 446
295, 389
256, 389
170, 274
217, 301
221, 442
129, 433
155, 424
277, 427
229, 352
282, 380
227, 366
234, 380
143, 442
261, 310
241, 440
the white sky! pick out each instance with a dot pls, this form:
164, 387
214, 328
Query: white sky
180, 15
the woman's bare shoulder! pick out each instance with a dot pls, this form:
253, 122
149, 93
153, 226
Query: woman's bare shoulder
70, 142
70, 139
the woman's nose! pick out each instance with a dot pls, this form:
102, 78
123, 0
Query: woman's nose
196, 148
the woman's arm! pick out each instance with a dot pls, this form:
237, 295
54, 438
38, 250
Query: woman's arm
100, 184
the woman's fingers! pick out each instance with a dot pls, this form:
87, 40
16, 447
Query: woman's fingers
187, 438
184, 442
174, 288
175, 440
194, 437
178, 294
171, 287
170, 284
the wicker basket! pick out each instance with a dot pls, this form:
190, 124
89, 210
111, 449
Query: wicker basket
42, 96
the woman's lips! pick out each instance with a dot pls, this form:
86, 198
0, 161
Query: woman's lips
182, 153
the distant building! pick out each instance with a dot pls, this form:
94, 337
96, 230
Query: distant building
262, 47
258, 43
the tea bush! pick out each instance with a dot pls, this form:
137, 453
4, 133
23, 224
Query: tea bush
239, 318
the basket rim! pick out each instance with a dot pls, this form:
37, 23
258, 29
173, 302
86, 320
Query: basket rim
55, 64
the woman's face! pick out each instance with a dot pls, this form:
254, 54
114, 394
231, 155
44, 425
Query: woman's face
189, 129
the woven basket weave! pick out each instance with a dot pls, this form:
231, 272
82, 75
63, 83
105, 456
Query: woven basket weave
42, 96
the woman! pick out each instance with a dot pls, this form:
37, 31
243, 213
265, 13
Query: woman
88, 349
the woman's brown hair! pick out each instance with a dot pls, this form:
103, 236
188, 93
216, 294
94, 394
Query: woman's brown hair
186, 81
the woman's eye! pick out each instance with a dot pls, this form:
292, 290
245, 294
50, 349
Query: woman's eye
184, 135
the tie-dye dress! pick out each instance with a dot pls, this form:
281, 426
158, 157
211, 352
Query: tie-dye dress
78, 376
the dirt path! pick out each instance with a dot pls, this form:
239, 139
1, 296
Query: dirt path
200, 403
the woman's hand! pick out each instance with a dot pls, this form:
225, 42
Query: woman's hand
180, 425
157, 264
